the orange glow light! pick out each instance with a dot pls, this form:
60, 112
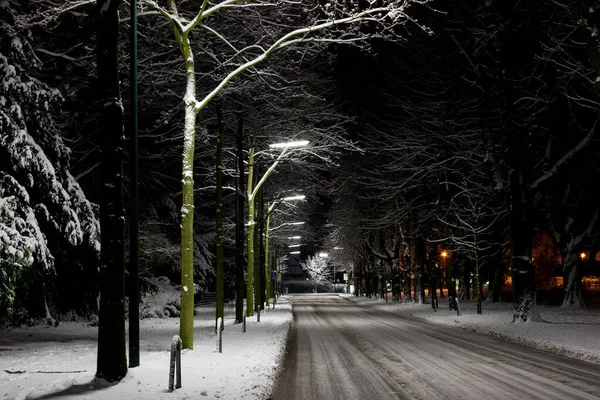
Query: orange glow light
444, 254
582, 255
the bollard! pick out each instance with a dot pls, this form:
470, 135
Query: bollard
258, 316
220, 335
244, 324
457, 307
175, 363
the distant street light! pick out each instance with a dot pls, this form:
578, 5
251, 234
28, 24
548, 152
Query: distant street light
271, 206
582, 255
444, 274
251, 193
297, 197
298, 143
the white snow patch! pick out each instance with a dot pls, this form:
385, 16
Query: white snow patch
66, 357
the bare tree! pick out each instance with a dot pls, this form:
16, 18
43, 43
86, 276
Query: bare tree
318, 269
331, 18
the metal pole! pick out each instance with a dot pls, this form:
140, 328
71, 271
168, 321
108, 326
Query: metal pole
239, 227
134, 290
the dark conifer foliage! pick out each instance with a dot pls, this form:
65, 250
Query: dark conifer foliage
49, 231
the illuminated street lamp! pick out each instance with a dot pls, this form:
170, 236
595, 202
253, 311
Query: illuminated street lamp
270, 208
582, 255
298, 197
444, 275
253, 297
285, 145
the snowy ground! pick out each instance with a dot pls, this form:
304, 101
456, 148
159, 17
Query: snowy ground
59, 363
572, 332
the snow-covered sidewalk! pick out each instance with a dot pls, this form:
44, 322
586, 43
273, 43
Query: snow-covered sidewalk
59, 363
572, 332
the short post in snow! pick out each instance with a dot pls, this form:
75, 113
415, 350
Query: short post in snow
175, 364
457, 307
244, 324
258, 315
220, 335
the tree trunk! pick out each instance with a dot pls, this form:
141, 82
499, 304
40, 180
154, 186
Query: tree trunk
240, 261
259, 292
451, 279
266, 255
496, 289
111, 359
384, 284
496, 271
186, 320
442, 275
250, 237
573, 273
431, 262
477, 280
407, 273
464, 286
420, 260
220, 270
521, 240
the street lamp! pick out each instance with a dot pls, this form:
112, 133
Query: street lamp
284, 145
444, 273
270, 208
582, 255
297, 197
252, 296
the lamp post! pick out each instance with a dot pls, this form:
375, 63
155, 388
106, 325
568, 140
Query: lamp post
251, 194
444, 255
336, 248
134, 255
271, 206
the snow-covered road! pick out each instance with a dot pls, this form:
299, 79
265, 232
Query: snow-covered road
341, 350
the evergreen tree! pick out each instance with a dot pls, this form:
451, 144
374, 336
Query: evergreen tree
44, 214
